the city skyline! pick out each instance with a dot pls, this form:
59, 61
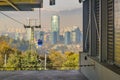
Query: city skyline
70, 15
72, 35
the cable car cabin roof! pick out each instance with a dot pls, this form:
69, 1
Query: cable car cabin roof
19, 5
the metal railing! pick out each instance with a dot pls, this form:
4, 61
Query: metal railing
74, 67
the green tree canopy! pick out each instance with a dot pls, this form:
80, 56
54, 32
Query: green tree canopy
5, 49
56, 58
72, 61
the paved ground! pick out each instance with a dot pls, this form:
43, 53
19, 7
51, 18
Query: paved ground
41, 75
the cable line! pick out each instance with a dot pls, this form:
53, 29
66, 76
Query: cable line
11, 18
39, 16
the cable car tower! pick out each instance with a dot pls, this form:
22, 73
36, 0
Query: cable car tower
32, 28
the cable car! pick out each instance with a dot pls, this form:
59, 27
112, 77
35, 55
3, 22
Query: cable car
40, 42
52, 2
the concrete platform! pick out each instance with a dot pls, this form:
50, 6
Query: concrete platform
42, 75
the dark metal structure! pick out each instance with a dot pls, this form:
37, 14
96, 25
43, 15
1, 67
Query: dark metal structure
20, 5
52, 2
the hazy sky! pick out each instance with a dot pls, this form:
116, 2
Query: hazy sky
70, 12
62, 5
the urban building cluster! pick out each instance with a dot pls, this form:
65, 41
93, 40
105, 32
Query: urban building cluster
70, 37
54, 37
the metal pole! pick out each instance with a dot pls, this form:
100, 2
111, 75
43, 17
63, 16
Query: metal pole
45, 60
5, 61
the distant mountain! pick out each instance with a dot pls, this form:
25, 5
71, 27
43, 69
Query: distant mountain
71, 12
64, 12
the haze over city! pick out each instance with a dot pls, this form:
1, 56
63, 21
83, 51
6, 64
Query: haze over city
59, 40
70, 15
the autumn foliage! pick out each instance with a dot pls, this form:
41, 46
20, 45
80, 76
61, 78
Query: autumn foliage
31, 60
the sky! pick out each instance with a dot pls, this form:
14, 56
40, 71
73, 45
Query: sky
70, 12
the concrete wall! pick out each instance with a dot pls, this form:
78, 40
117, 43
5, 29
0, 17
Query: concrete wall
97, 72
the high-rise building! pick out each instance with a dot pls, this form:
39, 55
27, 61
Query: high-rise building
55, 23
73, 37
61, 39
54, 37
67, 38
101, 38
78, 35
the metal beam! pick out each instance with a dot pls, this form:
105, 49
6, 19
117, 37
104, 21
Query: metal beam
12, 4
20, 5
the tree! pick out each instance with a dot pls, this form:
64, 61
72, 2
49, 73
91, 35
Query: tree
5, 49
23, 61
30, 60
13, 62
72, 61
57, 59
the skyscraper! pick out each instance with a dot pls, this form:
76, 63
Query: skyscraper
78, 35
54, 37
67, 38
55, 23
73, 37
61, 39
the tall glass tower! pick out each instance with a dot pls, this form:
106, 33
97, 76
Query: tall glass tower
55, 28
67, 38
